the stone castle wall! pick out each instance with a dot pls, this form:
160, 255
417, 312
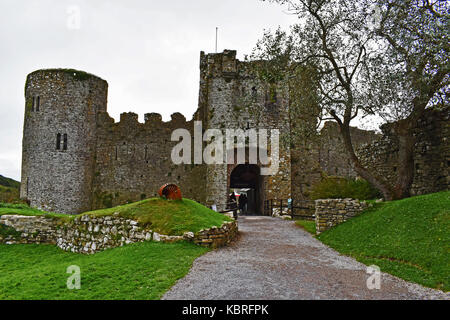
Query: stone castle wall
233, 97
324, 154
60, 105
134, 159
101, 163
431, 153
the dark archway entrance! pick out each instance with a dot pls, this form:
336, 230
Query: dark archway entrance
248, 179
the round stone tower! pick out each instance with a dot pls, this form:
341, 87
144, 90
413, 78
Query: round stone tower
59, 138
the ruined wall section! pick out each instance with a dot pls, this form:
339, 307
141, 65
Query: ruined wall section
233, 97
431, 153
324, 154
61, 105
134, 160
334, 160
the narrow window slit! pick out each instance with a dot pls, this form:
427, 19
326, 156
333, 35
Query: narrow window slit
65, 142
58, 141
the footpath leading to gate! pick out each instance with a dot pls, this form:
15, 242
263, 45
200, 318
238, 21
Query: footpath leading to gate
274, 259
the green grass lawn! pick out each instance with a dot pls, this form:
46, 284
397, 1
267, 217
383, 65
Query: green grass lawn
137, 271
307, 225
409, 238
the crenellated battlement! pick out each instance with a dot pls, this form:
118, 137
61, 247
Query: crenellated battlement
130, 121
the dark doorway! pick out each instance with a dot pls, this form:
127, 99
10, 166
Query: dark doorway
247, 178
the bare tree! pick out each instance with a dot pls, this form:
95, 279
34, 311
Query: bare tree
387, 58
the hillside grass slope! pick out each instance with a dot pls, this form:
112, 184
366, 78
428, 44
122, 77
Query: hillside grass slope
409, 238
9, 189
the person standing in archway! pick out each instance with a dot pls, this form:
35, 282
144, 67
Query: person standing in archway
233, 204
243, 203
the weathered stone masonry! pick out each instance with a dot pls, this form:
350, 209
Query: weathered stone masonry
75, 158
431, 153
90, 234
331, 212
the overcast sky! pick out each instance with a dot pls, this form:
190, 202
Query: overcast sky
148, 51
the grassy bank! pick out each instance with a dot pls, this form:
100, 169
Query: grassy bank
25, 210
307, 225
409, 238
138, 271
161, 215
170, 217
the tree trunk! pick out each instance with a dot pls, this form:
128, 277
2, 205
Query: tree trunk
406, 142
377, 181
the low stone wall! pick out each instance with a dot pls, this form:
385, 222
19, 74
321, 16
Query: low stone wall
331, 212
91, 234
29, 229
217, 237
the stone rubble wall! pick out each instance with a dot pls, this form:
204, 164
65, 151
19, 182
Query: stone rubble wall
431, 153
217, 237
331, 212
90, 234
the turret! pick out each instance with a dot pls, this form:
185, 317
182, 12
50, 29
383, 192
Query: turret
59, 138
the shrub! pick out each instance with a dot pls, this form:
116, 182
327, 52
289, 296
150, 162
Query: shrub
337, 187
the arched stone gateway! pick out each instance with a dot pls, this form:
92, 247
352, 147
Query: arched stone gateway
248, 178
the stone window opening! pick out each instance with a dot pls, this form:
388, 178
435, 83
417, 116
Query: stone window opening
65, 141
58, 141
254, 93
116, 153
38, 103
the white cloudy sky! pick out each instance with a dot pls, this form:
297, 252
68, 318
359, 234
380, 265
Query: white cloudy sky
148, 51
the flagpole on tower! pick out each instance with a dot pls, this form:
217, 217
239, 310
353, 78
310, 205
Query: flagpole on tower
217, 29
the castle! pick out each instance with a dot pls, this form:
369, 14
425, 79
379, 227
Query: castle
77, 158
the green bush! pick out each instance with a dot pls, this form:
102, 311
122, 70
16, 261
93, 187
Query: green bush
337, 187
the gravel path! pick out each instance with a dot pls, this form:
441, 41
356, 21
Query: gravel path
275, 259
